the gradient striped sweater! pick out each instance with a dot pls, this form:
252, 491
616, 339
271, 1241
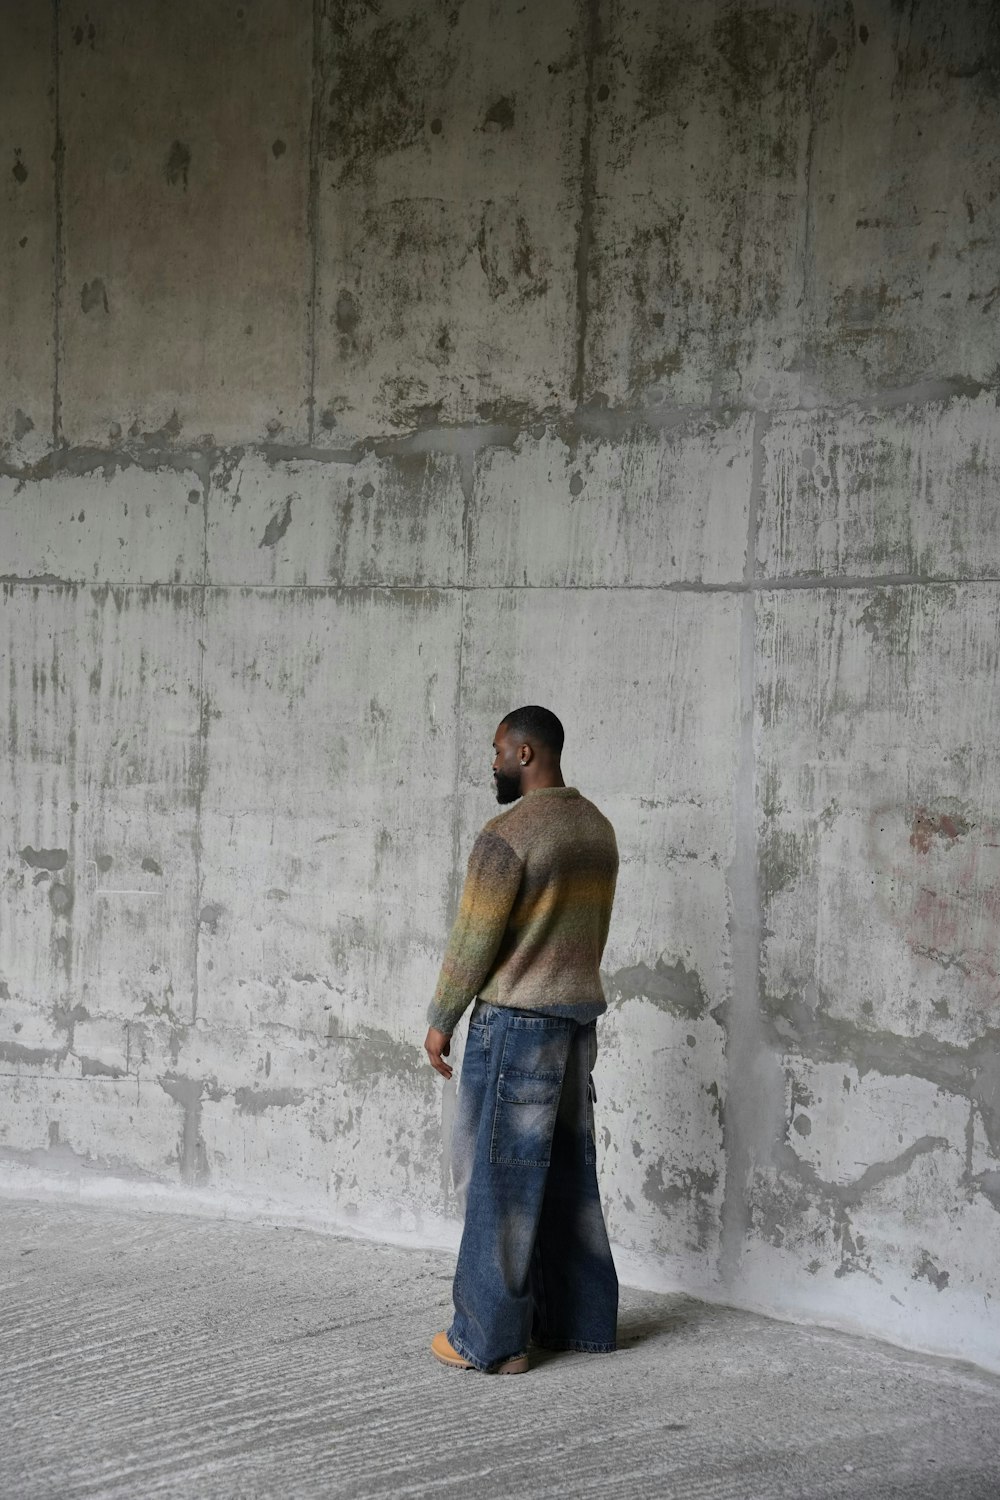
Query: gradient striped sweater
533, 919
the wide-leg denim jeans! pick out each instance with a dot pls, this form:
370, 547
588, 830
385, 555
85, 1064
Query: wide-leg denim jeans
534, 1262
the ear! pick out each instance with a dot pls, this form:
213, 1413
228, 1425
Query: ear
525, 754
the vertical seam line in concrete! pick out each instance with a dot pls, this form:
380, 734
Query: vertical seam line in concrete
199, 786
591, 42
742, 1028
312, 213
807, 208
58, 155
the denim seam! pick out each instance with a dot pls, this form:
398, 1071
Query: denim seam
578, 1346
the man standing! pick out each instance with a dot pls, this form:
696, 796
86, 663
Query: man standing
534, 1262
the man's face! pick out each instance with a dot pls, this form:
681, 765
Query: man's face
506, 766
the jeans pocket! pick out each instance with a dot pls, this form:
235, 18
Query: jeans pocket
525, 1119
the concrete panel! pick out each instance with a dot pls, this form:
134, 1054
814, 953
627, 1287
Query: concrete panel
878, 816
187, 263
105, 525
27, 234
879, 827
645, 509
324, 878
300, 522
370, 1154
98, 791
646, 683
449, 195
100, 1125
909, 492
700, 134
901, 281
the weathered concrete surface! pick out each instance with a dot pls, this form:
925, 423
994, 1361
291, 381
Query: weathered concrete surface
184, 304
651, 508
879, 889
366, 520
188, 1357
900, 279
449, 170
907, 494
380, 367
27, 238
698, 145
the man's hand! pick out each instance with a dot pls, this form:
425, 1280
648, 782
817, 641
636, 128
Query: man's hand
437, 1045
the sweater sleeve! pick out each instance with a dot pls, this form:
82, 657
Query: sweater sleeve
491, 885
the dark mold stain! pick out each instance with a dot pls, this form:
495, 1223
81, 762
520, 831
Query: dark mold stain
928, 1270
278, 525
688, 1186
91, 1067
670, 987
44, 859
85, 33
93, 294
191, 1153
377, 79
346, 316
19, 170
104, 863
255, 1101
508, 258
22, 424
151, 867
500, 114
160, 437
178, 164
278, 148
60, 899
209, 916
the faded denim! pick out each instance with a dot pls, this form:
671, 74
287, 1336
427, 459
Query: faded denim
534, 1263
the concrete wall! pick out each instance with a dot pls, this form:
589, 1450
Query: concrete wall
371, 369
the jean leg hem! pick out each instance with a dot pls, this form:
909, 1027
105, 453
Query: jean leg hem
578, 1346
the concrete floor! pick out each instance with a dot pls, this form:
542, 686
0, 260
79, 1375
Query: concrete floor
155, 1354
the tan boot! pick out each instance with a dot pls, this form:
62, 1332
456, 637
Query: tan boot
442, 1350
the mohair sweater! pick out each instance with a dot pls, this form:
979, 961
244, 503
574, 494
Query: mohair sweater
534, 913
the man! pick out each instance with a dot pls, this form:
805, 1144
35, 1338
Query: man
534, 1262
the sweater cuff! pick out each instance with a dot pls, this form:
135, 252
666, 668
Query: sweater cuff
445, 1018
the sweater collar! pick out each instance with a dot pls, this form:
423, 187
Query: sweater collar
553, 791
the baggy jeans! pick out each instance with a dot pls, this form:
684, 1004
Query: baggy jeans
534, 1262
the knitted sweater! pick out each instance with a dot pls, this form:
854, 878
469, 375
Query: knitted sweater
534, 913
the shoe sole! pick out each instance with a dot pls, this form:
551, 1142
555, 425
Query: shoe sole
517, 1366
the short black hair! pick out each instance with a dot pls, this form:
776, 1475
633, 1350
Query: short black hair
539, 725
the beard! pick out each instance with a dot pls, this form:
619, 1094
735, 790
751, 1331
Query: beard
508, 788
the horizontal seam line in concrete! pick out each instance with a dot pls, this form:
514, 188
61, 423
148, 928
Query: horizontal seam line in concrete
692, 586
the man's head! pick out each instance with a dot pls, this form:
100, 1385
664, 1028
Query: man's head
526, 751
